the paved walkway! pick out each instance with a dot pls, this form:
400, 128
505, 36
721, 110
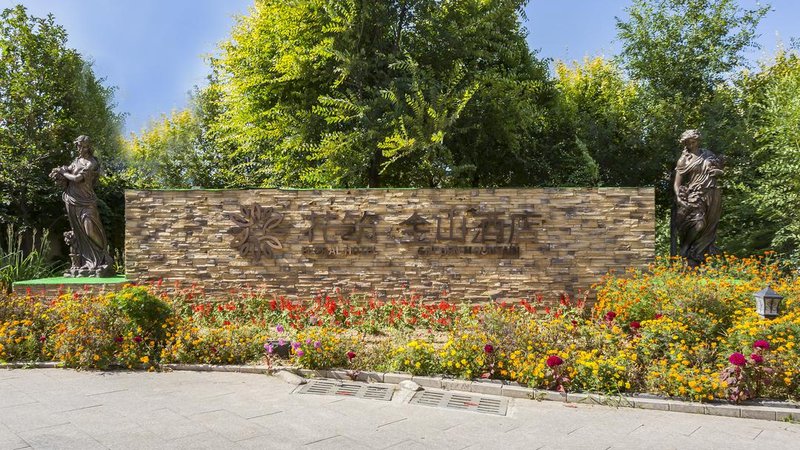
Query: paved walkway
54, 408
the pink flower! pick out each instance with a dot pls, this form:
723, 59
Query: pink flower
351, 355
611, 315
488, 348
737, 359
634, 325
317, 344
553, 361
268, 348
279, 328
300, 353
758, 359
761, 344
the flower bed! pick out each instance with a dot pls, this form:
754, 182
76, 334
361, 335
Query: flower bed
690, 335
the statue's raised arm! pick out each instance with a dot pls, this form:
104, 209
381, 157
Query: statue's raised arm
699, 199
87, 240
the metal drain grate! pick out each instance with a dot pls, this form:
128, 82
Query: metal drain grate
464, 402
347, 389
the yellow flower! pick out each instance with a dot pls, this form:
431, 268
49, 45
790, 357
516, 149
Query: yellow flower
144, 359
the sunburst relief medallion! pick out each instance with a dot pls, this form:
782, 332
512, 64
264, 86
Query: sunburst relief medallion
254, 233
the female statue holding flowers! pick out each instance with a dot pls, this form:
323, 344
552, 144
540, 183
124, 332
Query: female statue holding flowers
87, 240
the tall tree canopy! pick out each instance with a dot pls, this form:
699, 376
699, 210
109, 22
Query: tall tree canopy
684, 52
48, 96
686, 47
176, 151
764, 187
608, 113
424, 93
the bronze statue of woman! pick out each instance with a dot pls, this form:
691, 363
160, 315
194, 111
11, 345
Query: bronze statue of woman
87, 240
699, 199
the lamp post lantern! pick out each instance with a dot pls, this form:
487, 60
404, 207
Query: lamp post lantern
768, 303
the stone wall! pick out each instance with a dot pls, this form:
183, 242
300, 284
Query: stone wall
472, 244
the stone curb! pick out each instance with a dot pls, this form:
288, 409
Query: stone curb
490, 387
216, 368
32, 365
514, 390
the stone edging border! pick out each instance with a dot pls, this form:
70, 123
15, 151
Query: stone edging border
514, 390
490, 387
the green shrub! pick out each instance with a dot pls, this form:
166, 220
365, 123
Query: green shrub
144, 310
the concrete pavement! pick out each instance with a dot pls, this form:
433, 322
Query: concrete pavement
56, 408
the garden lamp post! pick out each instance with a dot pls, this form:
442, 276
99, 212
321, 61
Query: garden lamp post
768, 303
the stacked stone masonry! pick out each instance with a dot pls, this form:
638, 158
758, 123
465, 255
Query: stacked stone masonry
470, 244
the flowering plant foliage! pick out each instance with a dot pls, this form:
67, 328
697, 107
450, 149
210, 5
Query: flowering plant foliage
417, 357
689, 334
95, 332
323, 347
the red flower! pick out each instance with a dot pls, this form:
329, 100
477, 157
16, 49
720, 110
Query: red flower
737, 359
611, 315
658, 316
553, 361
488, 348
118, 339
758, 359
351, 355
137, 339
634, 325
761, 344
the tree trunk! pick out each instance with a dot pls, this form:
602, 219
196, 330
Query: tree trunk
374, 172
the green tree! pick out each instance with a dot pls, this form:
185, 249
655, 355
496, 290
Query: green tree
48, 96
686, 47
171, 153
398, 93
608, 114
684, 53
767, 178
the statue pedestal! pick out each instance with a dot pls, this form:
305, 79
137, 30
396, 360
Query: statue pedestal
59, 285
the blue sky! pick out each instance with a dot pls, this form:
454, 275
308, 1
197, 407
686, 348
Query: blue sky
153, 50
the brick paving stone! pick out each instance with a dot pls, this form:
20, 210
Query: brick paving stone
130, 410
64, 436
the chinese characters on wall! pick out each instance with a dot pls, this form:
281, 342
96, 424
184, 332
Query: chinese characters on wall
454, 232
